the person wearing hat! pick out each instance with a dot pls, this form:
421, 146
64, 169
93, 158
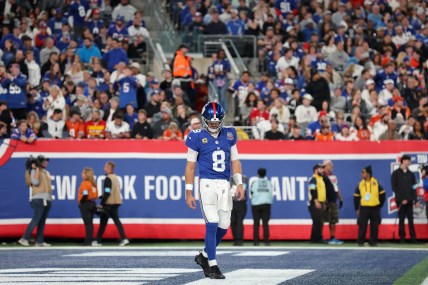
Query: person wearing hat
386, 93
161, 125
95, 23
195, 124
404, 184
235, 26
295, 134
118, 30
369, 198
40, 182
215, 27
399, 111
332, 195
306, 113
316, 205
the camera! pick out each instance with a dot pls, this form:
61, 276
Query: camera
37, 161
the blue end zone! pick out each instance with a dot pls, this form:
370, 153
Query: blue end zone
177, 266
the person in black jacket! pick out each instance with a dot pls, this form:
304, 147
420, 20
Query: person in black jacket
142, 129
318, 88
403, 184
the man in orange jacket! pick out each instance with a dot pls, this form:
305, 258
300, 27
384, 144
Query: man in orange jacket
182, 70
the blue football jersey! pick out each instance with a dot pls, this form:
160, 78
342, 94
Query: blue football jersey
214, 153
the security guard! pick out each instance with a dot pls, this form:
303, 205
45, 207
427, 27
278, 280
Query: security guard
369, 197
316, 205
261, 202
110, 203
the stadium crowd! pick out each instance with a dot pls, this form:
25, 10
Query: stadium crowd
330, 70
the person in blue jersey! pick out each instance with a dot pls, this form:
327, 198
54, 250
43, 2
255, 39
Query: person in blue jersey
285, 7
95, 24
77, 12
235, 26
214, 150
15, 83
119, 30
114, 55
127, 85
220, 69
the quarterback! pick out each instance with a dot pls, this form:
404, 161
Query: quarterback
214, 150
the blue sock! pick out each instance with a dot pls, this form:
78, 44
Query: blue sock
220, 235
210, 239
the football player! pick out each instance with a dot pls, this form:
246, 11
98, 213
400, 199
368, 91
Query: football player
214, 149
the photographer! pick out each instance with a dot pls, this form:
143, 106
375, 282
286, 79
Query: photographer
39, 179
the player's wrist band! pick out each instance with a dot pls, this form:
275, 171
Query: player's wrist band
189, 187
237, 178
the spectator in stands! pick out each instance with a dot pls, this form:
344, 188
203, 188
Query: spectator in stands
47, 50
235, 26
391, 132
219, 75
136, 29
23, 133
34, 122
53, 58
274, 133
172, 133
306, 113
127, 86
124, 9
34, 75
54, 101
75, 126
161, 125
381, 126
95, 23
418, 132
114, 110
215, 27
88, 51
318, 88
287, 60
3, 131
182, 70
154, 105
258, 114
412, 93
118, 30
117, 129
95, 129
407, 128
130, 116
280, 111
55, 127
346, 135
195, 124
142, 129
325, 134
15, 83
315, 126
114, 55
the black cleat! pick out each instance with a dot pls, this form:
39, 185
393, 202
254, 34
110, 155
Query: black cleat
202, 261
215, 273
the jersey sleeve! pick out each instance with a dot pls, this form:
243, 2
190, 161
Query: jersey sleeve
192, 141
